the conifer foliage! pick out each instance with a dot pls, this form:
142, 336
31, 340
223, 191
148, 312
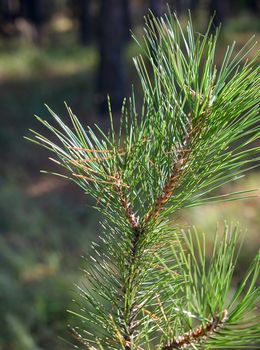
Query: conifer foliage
149, 284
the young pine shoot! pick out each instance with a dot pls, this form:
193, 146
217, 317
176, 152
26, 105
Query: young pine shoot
149, 285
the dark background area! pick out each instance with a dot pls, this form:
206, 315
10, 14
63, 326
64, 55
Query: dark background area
77, 51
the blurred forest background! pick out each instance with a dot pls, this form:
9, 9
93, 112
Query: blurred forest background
77, 51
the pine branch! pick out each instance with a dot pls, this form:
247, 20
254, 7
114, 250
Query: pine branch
208, 291
149, 283
182, 102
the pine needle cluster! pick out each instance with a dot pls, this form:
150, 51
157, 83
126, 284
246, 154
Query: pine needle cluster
148, 283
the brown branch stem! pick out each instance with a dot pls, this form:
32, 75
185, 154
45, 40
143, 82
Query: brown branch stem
198, 334
133, 222
125, 203
172, 180
177, 168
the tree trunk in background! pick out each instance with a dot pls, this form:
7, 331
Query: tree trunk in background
9, 12
157, 7
112, 37
254, 6
181, 6
85, 22
222, 9
32, 10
